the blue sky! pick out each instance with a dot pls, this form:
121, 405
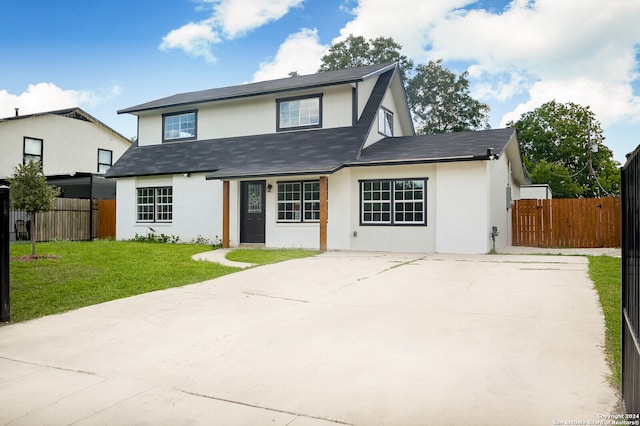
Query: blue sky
108, 55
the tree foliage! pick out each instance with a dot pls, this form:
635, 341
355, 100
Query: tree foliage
356, 51
441, 103
439, 99
29, 191
563, 146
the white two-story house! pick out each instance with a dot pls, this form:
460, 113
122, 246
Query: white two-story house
74, 148
324, 161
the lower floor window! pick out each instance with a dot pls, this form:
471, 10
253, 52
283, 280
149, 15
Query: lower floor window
299, 201
393, 201
155, 204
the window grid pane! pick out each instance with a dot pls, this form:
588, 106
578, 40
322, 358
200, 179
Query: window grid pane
180, 126
289, 202
164, 204
299, 113
407, 208
145, 204
376, 202
154, 204
312, 201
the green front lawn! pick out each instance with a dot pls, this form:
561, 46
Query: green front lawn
86, 273
606, 273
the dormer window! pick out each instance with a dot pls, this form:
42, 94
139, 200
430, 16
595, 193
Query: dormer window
179, 126
385, 122
299, 113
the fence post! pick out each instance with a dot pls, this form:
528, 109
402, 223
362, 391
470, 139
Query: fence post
5, 307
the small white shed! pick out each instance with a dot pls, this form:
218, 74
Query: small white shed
537, 191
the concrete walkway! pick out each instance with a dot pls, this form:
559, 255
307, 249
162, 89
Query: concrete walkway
339, 338
220, 256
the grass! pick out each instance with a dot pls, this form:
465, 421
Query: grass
87, 273
606, 273
264, 257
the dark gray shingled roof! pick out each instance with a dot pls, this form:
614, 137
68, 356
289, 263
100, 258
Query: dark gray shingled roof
349, 75
297, 152
318, 151
437, 147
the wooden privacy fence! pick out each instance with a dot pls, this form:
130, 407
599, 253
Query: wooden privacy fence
106, 219
567, 222
73, 219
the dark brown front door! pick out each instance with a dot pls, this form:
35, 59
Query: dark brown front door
252, 212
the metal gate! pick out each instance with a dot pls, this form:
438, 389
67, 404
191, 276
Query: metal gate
631, 282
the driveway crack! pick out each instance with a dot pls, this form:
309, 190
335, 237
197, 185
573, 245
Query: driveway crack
246, 404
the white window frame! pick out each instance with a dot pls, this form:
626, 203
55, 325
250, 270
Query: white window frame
303, 112
385, 122
180, 126
393, 201
154, 204
298, 201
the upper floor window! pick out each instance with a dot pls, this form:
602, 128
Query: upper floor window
179, 126
32, 150
105, 160
295, 113
385, 122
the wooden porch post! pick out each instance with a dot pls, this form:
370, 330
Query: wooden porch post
225, 214
324, 211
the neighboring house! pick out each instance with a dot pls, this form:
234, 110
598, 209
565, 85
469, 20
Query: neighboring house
75, 150
328, 161
536, 191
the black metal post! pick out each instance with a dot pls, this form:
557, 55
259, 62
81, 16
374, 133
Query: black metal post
5, 306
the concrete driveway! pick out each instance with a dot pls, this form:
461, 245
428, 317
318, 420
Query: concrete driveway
339, 338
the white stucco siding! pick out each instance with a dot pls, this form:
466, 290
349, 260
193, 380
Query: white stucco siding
248, 116
69, 145
341, 204
462, 207
500, 211
149, 128
410, 238
290, 235
197, 211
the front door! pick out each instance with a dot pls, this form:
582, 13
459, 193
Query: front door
252, 212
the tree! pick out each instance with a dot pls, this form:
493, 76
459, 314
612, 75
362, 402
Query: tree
566, 140
29, 191
356, 51
438, 98
441, 103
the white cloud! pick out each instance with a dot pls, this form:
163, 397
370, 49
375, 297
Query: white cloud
229, 19
301, 52
569, 50
610, 102
44, 97
194, 39
408, 22
236, 17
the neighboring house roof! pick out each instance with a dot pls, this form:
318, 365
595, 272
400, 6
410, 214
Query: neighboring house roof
350, 75
75, 113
